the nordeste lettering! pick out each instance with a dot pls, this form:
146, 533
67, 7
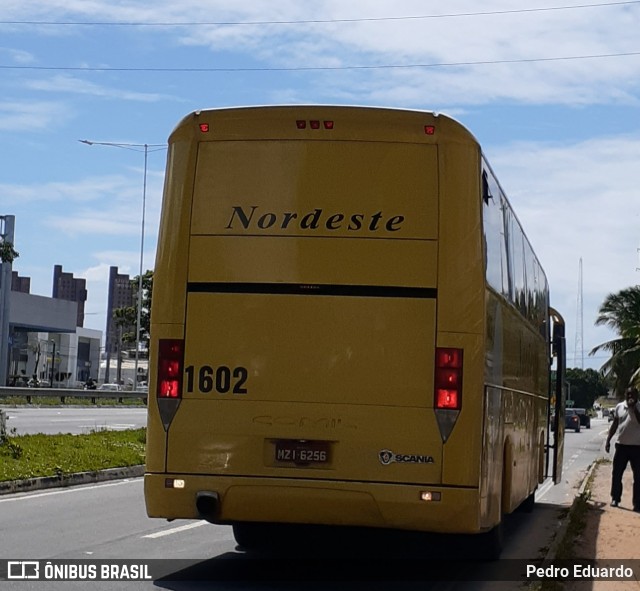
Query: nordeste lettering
247, 218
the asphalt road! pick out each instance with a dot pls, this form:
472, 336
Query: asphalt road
73, 419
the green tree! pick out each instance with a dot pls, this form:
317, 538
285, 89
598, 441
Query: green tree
7, 253
587, 385
621, 313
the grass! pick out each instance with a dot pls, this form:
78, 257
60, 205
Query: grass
31, 456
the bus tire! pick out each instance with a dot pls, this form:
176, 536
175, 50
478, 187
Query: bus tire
251, 536
529, 503
491, 543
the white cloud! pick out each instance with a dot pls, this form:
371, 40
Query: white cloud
490, 37
73, 85
31, 116
17, 56
103, 189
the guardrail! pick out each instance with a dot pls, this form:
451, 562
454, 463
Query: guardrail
64, 393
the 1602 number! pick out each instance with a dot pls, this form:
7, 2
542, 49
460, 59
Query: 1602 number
222, 379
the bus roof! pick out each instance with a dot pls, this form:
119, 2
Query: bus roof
360, 116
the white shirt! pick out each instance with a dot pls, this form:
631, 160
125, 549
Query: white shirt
628, 427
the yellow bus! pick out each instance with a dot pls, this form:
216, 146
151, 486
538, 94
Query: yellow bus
349, 327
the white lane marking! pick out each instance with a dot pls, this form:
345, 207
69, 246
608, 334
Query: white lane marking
66, 491
175, 530
544, 489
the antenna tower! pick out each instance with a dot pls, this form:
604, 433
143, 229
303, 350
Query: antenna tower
578, 359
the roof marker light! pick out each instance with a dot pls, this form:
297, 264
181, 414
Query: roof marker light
301, 124
328, 124
430, 129
204, 127
314, 124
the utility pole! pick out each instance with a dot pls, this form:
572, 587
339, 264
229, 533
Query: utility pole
578, 356
145, 149
7, 225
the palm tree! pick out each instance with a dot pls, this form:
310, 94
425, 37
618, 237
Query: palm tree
123, 318
621, 313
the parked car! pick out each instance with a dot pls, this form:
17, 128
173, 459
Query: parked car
571, 420
110, 387
585, 419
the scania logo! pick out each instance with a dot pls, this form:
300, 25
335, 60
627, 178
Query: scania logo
252, 218
387, 457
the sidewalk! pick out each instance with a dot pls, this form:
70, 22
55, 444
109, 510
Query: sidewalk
610, 532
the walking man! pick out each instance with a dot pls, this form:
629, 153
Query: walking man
626, 416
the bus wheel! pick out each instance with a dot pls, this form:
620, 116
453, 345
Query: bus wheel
529, 503
491, 543
252, 536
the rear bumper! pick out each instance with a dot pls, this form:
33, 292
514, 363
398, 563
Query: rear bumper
316, 501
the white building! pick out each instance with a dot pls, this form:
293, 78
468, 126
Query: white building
44, 341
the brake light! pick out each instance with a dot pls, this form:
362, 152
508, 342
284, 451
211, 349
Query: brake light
170, 362
448, 379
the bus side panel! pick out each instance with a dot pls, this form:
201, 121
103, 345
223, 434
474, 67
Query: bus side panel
515, 355
460, 261
463, 449
170, 278
460, 319
172, 256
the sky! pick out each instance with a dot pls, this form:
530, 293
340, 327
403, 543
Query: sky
550, 88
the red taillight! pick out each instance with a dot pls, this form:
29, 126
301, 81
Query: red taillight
448, 379
170, 361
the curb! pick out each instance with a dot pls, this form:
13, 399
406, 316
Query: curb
562, 531
64, 480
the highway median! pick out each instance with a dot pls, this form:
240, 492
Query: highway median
29, 462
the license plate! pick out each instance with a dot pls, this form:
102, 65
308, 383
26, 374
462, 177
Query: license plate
302, 452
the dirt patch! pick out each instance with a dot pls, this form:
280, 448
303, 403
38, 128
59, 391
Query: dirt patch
609, 532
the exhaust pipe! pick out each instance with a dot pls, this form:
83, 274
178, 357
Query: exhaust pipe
207, 504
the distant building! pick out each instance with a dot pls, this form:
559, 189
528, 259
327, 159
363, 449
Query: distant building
38, 328
21, 284
121, 295
67, 287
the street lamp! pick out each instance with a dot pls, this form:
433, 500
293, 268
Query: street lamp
146, 148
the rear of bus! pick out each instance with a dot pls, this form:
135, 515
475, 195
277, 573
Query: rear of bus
317, 349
